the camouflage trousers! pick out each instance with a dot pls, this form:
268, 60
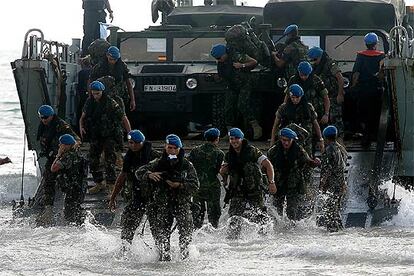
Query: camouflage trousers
335, 116
294, 204
332, 212
49, 183
161, 214
73, 211
211, 197
239, 103
108, 147
131, 218
251, 208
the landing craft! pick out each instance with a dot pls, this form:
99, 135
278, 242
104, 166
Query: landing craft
175, 77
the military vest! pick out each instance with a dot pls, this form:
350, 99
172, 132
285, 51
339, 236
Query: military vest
93, 4
296, 52
49, 135
73, 171
288, 166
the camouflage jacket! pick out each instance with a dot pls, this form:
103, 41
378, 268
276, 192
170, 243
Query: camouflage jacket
327, 70
48, 136
119, 72
314, 89
160, 191
333, 167
103, 118
289, 166
72, 170
293, 53
134, 160
207, 160
302, 114
246, 178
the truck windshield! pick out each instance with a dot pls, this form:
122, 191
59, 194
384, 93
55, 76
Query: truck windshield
144, 49
197, 50
348, 46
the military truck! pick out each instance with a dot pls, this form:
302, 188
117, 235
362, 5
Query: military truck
174, 74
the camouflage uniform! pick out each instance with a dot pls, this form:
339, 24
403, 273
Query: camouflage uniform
109, 83
48, 136
119, 71
136, 201
289, 177
207, 160
333, 181
165, 203
245, 189
314, 89
293, 53
70, 179
103, 127
327, 70
239, 100
302, 114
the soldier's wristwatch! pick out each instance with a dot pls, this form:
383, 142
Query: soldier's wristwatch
271, 182
244, 65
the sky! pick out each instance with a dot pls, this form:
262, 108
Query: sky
61, 21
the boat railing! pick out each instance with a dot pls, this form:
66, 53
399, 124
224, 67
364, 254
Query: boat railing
36, 47
401, 46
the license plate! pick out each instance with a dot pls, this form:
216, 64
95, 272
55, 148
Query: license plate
160, 88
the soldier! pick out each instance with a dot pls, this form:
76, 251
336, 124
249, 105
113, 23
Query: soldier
140, 153
115, 67
234, 68
289, 159
314, 89
207, 160
297, 111
328, 70
172, 180
101, 120
367, 83
243, 165
69, 167
332, 178
50, 129
293, 52
94, 13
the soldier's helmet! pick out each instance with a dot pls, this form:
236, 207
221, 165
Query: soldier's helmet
371, 39
97, 50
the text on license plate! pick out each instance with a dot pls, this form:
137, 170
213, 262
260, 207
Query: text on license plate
160, 88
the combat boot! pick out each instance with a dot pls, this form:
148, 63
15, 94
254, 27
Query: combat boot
97, 188
257, 129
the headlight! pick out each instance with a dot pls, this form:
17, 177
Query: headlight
132, 81
191, 83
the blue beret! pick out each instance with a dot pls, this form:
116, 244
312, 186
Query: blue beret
330, 131
67, 139
173, 139
218, 50
371, 38
305, 68
288, 133
97, 85
136, 136
296, 90
114, 52
212, 132
315, 52
290, 28
236, 132
45, 110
